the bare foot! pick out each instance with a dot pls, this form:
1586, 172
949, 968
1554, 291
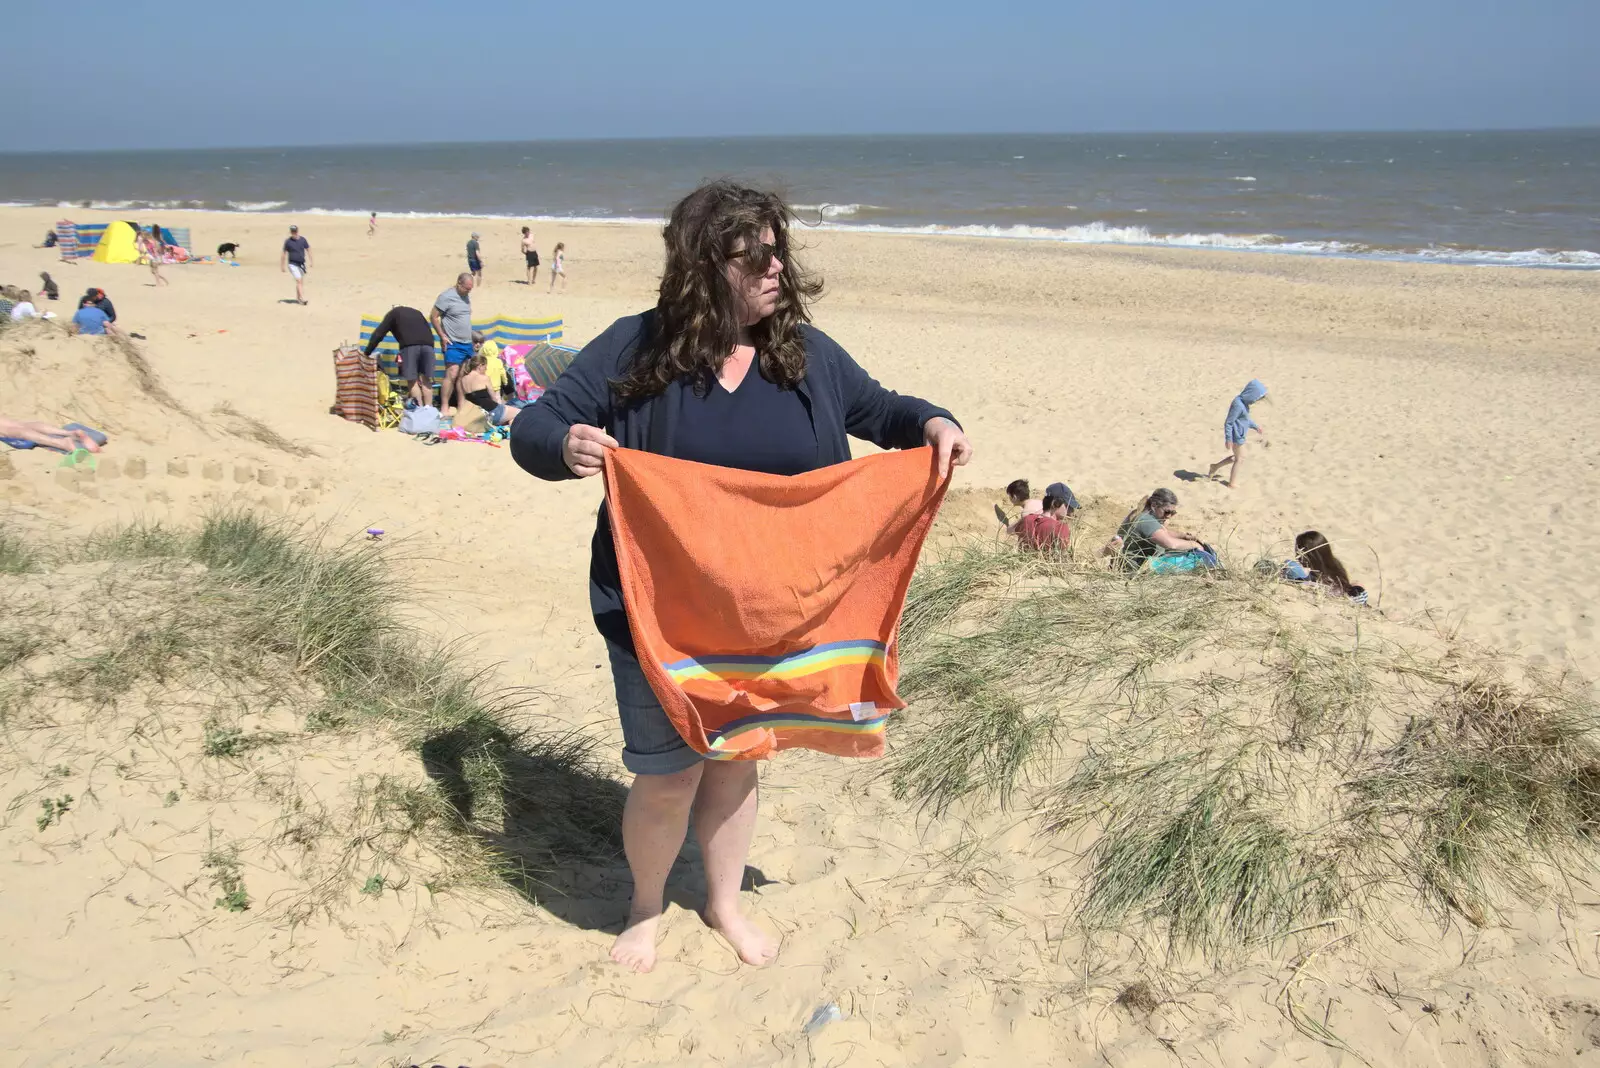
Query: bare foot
752, 944
635, 947
1228, 483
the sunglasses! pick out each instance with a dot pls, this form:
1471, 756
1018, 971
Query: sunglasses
759, 257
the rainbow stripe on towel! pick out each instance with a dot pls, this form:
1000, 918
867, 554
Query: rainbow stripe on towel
802, 721
784, 668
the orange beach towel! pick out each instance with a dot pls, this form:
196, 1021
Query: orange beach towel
763, 608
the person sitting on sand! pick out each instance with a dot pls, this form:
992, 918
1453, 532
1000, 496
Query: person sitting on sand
1235, 427
1062, 491
48, 287
1020, 494
1046, 529
98, 298
1315, 557
91, 319
1143, 538
24, 309
477, 388
51, 437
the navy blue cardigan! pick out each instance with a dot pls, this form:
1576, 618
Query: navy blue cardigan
841, 398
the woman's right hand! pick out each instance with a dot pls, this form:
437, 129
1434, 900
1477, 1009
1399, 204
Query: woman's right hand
584, 449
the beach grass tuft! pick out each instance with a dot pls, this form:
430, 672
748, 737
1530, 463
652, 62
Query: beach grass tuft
17, 555
1238, 760
246, 633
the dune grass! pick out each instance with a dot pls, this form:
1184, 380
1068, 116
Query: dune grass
17, 556
243, 612
1237, 761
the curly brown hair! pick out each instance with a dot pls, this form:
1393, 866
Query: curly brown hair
696, 322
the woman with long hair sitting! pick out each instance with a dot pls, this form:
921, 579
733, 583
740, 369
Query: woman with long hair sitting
1318, 564
1143, 538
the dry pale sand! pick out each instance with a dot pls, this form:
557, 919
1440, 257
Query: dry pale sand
1438, 423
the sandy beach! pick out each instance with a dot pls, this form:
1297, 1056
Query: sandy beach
1438, 423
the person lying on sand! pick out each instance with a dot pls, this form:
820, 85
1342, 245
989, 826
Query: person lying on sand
1143, 538
51, 437
1234, 429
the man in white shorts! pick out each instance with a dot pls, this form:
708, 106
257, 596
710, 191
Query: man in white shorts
296, 259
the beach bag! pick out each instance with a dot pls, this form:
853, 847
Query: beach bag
355, 386
1177, 563
424, 420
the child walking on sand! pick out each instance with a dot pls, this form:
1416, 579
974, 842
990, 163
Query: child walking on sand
372, 224
1235, 428
558, 267
155, 249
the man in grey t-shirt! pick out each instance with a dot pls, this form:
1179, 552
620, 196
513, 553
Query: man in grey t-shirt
452, 321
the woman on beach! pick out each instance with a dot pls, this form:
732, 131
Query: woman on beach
477, 388
1315, 557
1143, 538
725, 369
1234, 429
558, 266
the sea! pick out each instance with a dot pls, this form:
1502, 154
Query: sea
1502, 198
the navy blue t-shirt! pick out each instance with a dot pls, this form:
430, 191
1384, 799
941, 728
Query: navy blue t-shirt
755, 427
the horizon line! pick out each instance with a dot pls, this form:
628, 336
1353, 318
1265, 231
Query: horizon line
599, 139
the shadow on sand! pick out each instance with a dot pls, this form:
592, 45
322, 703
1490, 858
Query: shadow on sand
545, 806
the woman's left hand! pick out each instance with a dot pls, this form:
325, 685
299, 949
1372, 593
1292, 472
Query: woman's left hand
950, 444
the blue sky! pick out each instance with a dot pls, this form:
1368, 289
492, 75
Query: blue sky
187, 74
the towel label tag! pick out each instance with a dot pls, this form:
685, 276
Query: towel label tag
861, 710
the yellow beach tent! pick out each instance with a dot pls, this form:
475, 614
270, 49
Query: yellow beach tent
119, 244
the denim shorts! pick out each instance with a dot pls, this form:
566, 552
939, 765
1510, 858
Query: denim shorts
651, 745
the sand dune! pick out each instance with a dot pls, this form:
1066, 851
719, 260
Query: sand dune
1437, 423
